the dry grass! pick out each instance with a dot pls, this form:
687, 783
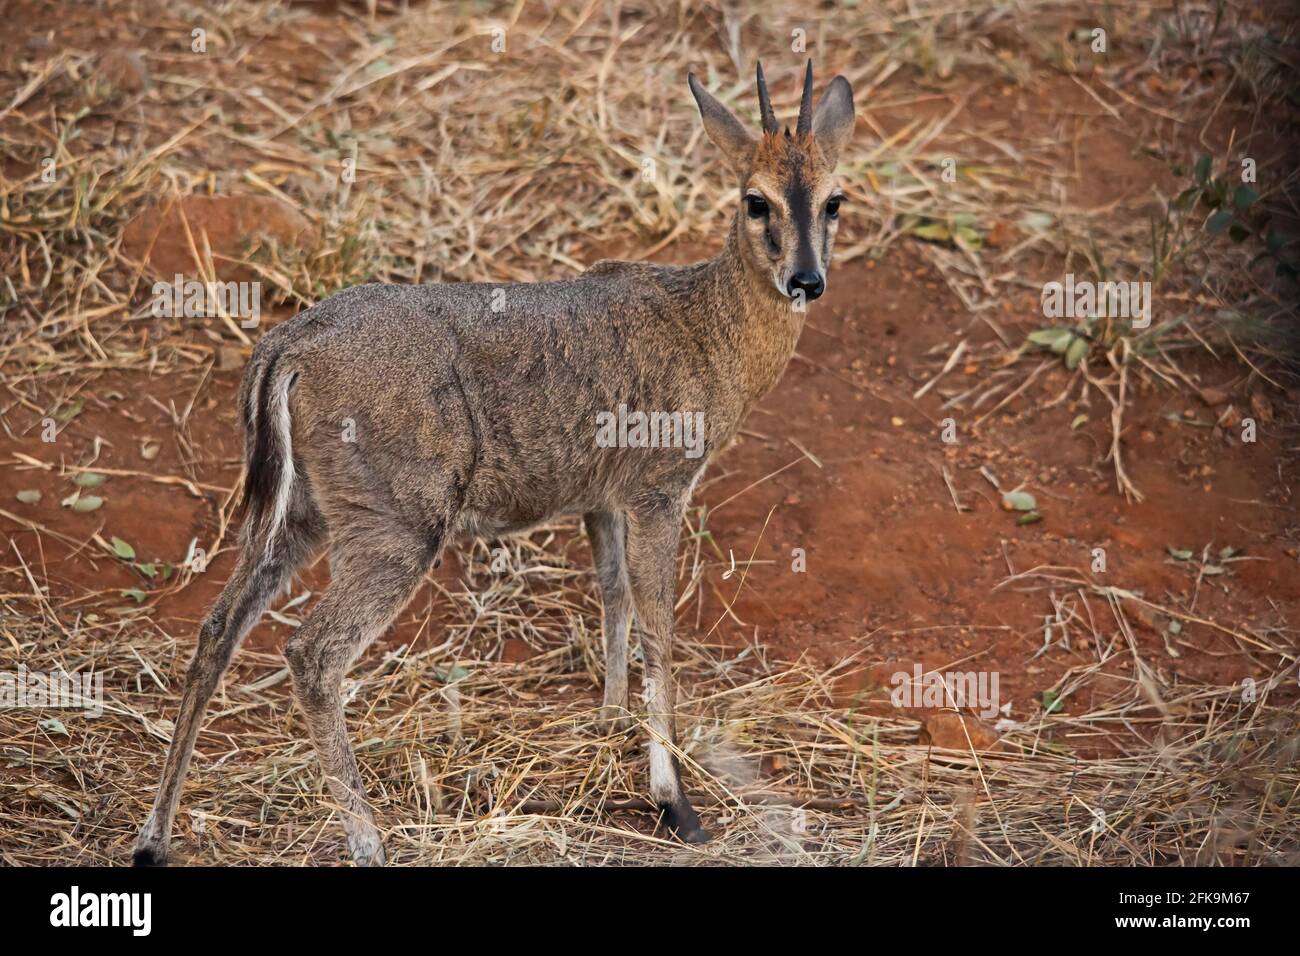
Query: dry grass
473, 761
474, 165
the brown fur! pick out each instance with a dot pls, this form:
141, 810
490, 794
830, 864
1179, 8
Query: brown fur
471, 420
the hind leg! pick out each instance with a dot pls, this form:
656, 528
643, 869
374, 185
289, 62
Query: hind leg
608, 533
257, 577
373, 573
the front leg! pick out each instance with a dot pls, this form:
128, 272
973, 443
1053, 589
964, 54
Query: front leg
651, 557
608, 533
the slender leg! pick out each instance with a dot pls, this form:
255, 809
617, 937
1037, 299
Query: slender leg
255, 581
608, 533
652, 554
372, 578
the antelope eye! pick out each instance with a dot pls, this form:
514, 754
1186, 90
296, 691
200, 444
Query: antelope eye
756, 206
833, 206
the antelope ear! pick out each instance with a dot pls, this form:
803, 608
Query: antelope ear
724, 129
833, 121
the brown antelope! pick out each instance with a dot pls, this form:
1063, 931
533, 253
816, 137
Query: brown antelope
473, 410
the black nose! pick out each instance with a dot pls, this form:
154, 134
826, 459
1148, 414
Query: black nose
809, 283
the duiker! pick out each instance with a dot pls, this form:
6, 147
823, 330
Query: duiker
389, 420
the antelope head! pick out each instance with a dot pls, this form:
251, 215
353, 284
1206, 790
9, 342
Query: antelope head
789, 197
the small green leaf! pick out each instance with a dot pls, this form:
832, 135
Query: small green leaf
1244, 197
123, 550
88, 503
1228, 552
1179, 554
90, 479
148, 570
969, 237
135, 594
1273, 239
54, 726
1019, 501
1058, 340
1075, 353
1219, 220
1202, 169
67, 413
28, 496
1212, 570
1078, 421
1175, 627
1051, 702
932, 231
1029, 517
452, 674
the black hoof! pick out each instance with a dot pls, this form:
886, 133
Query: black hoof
148, 856
684, 823
694, 835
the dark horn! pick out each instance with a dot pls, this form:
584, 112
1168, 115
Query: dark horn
770, 125
804, 126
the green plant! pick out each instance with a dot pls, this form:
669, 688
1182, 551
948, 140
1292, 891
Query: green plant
1232, 208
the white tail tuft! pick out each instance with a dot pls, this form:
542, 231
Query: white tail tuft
278, 412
